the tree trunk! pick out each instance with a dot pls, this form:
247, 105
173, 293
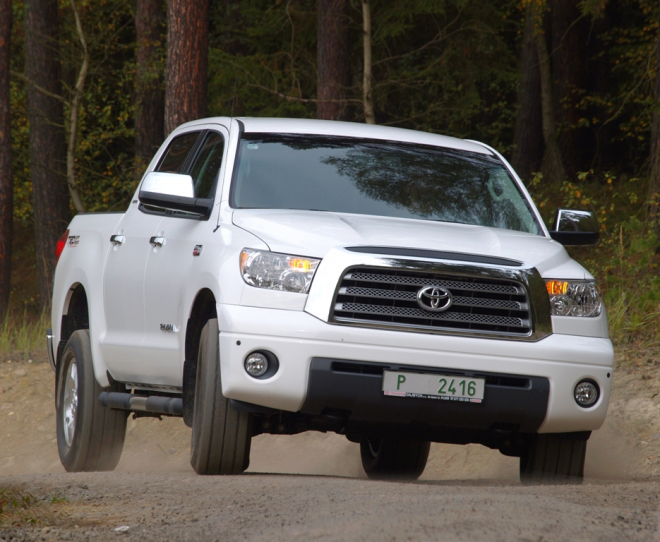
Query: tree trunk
6, 179
552, 166
50, 195
332, 59
570, 34
149, 93
528, 130
654, 182
74, 112
367, 95
187, 61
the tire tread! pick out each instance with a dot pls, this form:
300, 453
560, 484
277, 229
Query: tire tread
395, 459
553, 458
100, 431
221, 435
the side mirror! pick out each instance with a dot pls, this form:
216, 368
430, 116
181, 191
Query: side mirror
169, 184
175, 192
574, 228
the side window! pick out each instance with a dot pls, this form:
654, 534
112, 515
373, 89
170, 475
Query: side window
175, 156
207, 164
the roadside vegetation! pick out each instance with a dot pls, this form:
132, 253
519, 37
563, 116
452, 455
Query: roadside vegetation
21, 335
20, 508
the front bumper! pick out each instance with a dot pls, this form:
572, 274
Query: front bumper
296, 338
356, 388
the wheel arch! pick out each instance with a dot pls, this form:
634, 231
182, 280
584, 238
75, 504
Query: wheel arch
203, 309
75, 315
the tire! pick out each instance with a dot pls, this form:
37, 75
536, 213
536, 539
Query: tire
553, 458
90, 437
221, 436
389, 459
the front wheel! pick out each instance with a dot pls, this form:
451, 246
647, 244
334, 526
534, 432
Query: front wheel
90, 437
553, 458
388, 459
221, 436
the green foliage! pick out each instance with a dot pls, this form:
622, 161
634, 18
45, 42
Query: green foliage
445, 67
438, 66
20, 128
620, 111
20, 508
104, 157
265, 52
632, 284
15, 506
23, 334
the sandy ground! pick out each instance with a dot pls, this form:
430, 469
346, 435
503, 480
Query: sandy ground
465, 493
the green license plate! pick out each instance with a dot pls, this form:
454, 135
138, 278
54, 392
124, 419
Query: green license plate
428, 386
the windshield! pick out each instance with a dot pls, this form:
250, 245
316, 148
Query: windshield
373, 177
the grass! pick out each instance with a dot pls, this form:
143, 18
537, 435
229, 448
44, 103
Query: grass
19, 508
23, 334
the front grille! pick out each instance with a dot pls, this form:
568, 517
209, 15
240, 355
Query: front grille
389, 297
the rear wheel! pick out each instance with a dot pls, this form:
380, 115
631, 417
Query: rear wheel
386, 459
90, 437
554, 458
221, 436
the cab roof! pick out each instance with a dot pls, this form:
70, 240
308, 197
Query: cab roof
345, 129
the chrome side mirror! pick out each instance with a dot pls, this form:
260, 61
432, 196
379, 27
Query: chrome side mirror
168, 184
574, 228
174, 192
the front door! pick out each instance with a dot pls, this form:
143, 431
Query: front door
171, 264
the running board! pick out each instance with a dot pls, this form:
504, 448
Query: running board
170, 406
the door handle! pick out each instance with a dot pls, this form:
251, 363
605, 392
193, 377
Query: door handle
117, 239
157, 241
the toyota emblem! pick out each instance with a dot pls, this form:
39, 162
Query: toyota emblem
434, 298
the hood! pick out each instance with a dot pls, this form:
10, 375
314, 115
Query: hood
314, 233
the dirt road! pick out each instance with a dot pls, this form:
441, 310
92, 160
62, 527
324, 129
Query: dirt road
466, 492
267, 507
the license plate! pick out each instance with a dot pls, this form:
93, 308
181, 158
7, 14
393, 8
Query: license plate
428, 386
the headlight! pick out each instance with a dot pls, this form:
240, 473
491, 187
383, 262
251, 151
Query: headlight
573, 298
277, 271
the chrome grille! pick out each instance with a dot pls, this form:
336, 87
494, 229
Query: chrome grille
437, 281
389, 297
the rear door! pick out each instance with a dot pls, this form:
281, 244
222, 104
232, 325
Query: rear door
124, 274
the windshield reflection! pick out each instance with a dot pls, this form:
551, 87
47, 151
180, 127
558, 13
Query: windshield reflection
348, 175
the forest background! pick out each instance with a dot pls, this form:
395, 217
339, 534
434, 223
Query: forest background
567, 90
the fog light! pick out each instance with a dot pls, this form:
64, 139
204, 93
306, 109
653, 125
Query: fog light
586, 393
256, 364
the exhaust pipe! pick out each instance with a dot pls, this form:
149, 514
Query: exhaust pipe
172, 406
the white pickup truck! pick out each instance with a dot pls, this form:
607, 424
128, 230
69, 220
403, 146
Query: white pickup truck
280, 276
